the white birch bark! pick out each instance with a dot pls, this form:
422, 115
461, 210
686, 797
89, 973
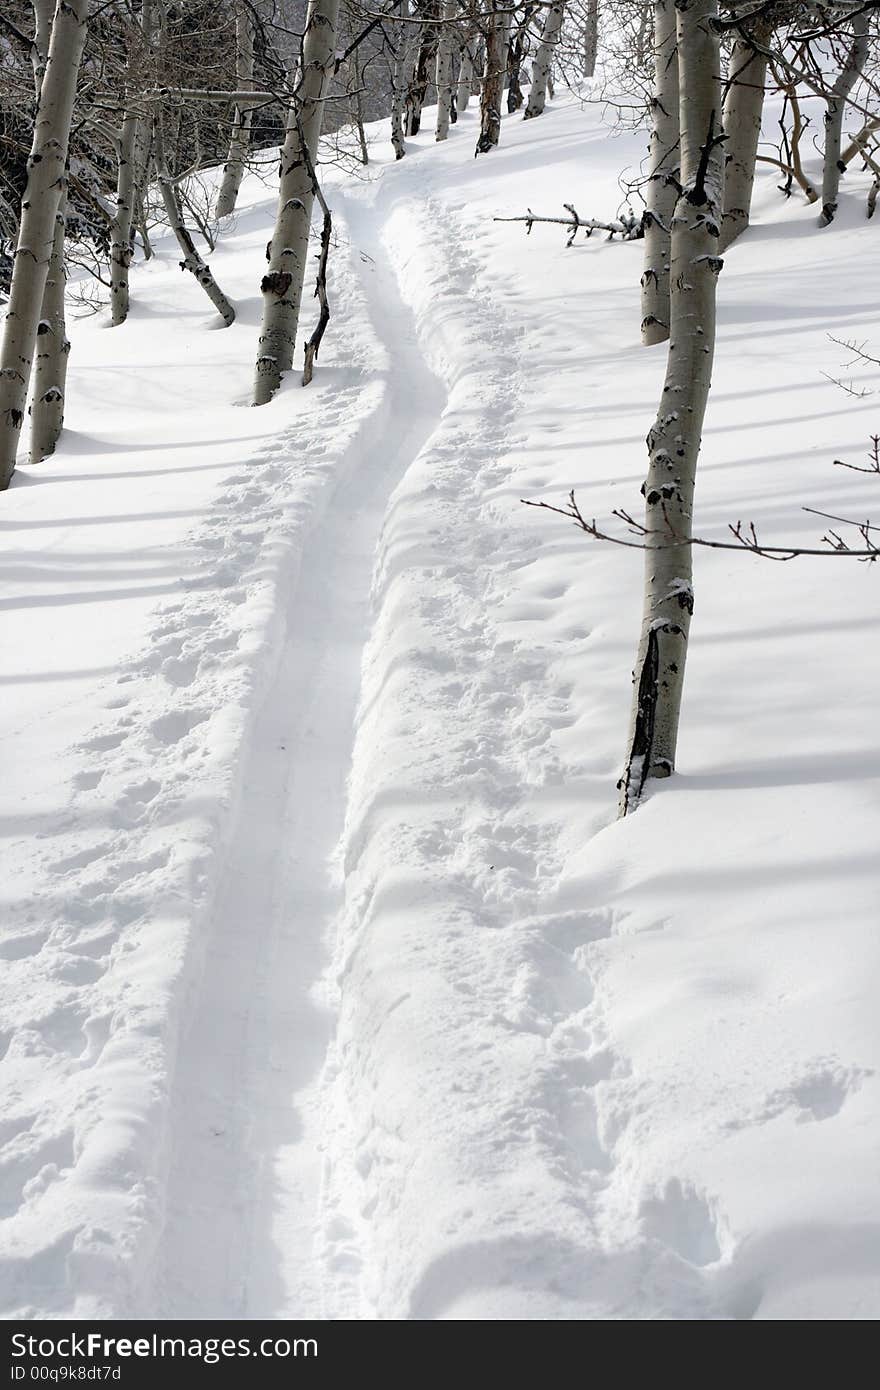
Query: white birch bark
515, 50
52, 355
192, 261
133, 155
661, 193
121, 247
646, 27
282, 286
495, 71
46, 183
743, 106
674, 439
404, 64
834, 113
359, 123
53, 344
443, 71
479, 63
591, 37
43, 11
544, 60
424, 63
465, 78
233, 169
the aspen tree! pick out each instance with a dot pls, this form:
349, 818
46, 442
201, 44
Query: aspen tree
492, 88
43, 11
282, 285
404, 62
544, 60
233, 169
424, 65
52, 354
465, 78
662, 175
834, 112
192, 261
443, 73
743, 106
674, 439
516, 46
131, 161
478, 63
121, 248
44, 190
53, 344
591, 38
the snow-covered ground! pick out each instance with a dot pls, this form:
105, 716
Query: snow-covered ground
332, 986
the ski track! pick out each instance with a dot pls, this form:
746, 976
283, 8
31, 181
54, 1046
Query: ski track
455, 893
243, 1218
280, 1203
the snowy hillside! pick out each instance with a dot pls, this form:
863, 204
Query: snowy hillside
333, 987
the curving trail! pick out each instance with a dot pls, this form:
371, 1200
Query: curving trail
392, 1099
244, 1236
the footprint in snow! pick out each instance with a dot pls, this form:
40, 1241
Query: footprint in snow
818, 1094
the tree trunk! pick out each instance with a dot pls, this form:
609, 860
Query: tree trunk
515, 49
233, 169
142, 228
674, 440
43, 11
53, 353
465, 77
834, 113
192, 261
121, 247
359, 124
662, 173
53, 344
544, 60
743, 106
479, 62
645, 33
46, 182
591, 37
282, 286
493, 78
404, 62
443, 74
415, 98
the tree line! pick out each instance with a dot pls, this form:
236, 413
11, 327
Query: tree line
112, 114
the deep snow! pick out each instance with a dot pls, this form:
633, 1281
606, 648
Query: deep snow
332, 986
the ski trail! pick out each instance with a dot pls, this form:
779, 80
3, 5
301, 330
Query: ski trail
245, 1181
461, 940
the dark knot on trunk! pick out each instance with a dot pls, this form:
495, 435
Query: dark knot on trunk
276, 282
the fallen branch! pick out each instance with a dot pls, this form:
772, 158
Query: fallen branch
627, 226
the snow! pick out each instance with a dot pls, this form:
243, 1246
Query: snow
333, 986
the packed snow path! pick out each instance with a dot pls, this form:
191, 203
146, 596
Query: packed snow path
250, 1102
332, 987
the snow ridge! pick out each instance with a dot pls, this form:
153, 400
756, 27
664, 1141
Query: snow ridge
447, 949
